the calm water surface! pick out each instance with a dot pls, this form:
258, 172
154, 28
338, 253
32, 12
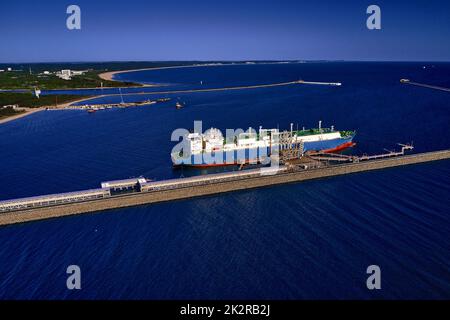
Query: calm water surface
301, 241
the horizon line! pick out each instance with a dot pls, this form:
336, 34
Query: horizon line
226, 60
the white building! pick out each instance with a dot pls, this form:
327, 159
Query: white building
37, 92
13, 106
67, 74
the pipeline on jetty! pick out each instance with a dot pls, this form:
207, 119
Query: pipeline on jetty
140, 191
259, 86
407, 81
102, 106
280, 84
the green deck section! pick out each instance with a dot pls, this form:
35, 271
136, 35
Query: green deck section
313, 131
347, 133
299, 133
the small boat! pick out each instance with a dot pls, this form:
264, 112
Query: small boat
92, 110
149, 102
178, 105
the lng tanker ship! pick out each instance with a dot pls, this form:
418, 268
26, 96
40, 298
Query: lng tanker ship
251, 147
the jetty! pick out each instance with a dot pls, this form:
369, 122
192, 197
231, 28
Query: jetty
258, 86
169, 92
101, 106
141, 191
407, 81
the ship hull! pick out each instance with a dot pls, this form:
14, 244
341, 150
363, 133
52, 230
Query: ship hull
256, 156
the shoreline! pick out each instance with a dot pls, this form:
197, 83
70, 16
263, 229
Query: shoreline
64, 106
110, 74
28, 111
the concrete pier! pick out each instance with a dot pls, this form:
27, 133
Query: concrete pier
143, 198
407, 81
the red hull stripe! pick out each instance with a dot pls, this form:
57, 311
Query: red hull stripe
340, 147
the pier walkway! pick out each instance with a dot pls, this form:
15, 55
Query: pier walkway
406, 81
259, 86
208, 185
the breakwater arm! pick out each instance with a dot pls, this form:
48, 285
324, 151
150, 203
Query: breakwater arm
406, 81
143, 198
258, 86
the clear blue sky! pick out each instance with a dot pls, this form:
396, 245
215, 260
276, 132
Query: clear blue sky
35, 31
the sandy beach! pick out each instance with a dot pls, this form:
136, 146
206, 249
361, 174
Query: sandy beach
27, 112
110, 75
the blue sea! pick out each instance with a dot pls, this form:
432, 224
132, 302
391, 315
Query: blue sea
310, 240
